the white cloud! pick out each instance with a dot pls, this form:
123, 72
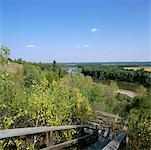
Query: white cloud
30, 46
95, 30
86, 45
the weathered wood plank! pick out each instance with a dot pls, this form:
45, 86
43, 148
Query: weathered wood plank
33, 130
108, 114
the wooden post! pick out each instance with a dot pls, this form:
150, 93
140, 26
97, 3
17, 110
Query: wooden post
96, 133
81, 143
82, 132
49, 138
126, 142
110, 133
123, 144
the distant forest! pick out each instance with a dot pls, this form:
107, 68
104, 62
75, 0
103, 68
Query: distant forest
113, 72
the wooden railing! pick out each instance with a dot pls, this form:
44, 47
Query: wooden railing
87, 134
119, 142
10, 133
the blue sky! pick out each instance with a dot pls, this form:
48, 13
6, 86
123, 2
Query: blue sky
76, 30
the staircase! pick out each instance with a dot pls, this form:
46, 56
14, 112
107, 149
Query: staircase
107, 130
103, 140
103, 132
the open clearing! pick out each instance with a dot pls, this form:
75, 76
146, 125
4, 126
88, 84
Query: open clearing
138, 68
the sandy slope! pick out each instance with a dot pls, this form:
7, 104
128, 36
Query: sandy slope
127, 92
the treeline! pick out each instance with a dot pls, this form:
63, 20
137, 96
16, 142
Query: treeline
118, 73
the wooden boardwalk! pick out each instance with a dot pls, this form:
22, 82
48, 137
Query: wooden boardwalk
91, 137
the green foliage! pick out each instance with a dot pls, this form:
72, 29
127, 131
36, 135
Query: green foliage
40, 98
1, 144
84, 84
97, 93
141, 102
123, 105
106, 72
139, 129
47, 104
114, 86
141, 90
4, 55
139, 122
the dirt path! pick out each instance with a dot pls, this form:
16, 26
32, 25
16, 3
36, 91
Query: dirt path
127, 92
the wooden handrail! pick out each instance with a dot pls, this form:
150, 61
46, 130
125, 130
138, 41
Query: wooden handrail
8, 133
116, 142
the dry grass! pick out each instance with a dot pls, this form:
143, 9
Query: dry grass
148, 69
13, 67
